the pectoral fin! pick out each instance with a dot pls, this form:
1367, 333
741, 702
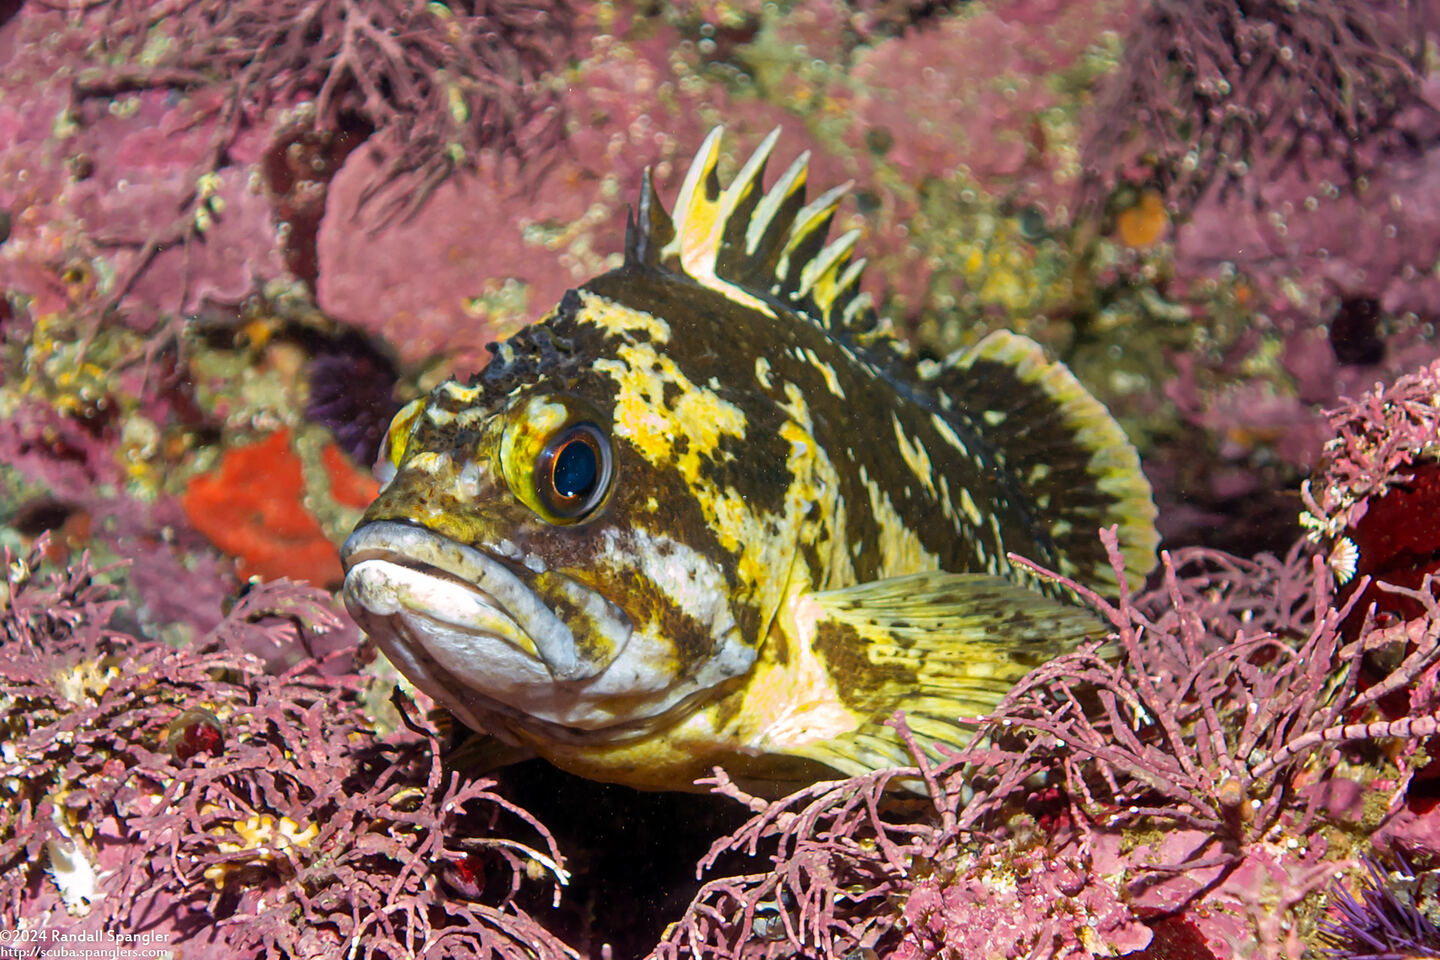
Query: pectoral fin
936, 645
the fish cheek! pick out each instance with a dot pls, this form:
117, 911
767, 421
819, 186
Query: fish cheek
654, 612
666, 561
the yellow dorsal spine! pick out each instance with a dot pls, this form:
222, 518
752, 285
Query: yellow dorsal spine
757, 246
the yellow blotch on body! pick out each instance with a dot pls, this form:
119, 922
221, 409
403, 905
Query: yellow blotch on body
642, 417
832, 381
901, 551
915, 457
762, 372
619, 319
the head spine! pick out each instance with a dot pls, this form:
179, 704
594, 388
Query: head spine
758, 246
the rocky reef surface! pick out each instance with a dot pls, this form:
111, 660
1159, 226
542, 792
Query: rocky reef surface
236, 236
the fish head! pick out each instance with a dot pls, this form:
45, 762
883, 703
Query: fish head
562, 544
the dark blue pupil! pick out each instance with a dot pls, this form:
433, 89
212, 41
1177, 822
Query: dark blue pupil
575, 469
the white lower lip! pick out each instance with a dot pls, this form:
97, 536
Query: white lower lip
471, 657
476, 642
482, 576
388, 588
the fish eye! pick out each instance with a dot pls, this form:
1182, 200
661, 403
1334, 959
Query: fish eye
557, 457
572, 473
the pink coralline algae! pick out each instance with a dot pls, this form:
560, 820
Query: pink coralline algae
1255, 397
1245, 696
1197, 782
437, 83
1204, 783
97, 206
1295, 144
1334, 240
190, 798
418, 285
130, 172
74, 460
978, 66
1373, 503
1212, 90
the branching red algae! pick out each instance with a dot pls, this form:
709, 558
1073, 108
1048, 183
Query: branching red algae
290, 830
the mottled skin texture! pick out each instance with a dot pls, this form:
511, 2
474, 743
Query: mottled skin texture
763, 459
856, 426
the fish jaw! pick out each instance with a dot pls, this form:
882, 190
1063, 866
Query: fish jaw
381, 596
399, 566
474, 635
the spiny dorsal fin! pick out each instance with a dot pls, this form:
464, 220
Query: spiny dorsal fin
807, 238
647, 233
761, 247
697, 213
753, 244
766, 231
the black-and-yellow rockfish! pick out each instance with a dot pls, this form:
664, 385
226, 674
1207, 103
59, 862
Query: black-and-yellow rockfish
709, 510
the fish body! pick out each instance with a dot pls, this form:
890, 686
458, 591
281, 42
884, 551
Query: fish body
709, 510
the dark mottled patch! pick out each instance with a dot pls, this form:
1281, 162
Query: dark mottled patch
537, 350
754, 464
714, 336
728, 707
862, 685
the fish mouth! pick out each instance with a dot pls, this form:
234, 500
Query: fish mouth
463, 595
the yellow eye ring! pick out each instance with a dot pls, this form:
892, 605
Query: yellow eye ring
557, 458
